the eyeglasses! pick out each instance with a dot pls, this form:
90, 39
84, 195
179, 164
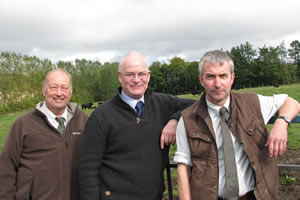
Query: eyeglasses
131, 75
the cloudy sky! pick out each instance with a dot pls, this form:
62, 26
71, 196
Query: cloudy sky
160, 29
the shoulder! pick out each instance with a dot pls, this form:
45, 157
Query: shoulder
162, 96
25, 122
27, 116
244, 96
245, 99
81, 114
105, 109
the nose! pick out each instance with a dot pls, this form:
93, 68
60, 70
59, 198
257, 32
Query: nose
136, 78
217, 82
59, 91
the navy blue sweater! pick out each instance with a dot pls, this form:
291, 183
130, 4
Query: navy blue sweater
121, 157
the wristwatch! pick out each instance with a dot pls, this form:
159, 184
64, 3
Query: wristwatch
286, 119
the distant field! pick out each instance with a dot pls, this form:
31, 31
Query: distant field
292, 90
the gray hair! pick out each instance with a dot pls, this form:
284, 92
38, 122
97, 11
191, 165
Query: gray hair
216, 56
129, 55
57, 70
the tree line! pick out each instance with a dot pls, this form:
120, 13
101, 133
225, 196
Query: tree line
21, 76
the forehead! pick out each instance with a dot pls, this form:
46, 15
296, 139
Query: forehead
216, 67
58, 77
135, 65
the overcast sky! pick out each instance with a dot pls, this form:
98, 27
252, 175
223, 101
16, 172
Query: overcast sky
160, 29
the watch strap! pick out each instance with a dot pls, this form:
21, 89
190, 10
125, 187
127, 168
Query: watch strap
286, 119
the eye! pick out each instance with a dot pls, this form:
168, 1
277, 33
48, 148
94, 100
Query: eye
129, 75
224, 76
210, 76
142, 74
64, 88
53, 87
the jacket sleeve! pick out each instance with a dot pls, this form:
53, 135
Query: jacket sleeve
91, 158
178, 105
9, 161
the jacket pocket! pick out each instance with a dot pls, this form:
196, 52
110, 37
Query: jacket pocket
24, 187
200, 145
257, 132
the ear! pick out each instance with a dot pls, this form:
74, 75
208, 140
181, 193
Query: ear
44, 90
119, 76
200, 77
232, 77
149, 76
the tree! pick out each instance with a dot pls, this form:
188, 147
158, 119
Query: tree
191, 81
243, 57
108, 80
174, 76
294, 53
269, 66
157, 80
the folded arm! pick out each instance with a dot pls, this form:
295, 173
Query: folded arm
278, 134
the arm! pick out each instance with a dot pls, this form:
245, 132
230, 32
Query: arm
183, 159
9, 161
90, 160
168, 135
184, 187
278, 134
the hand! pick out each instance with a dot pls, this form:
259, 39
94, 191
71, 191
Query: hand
168, 135
277, 138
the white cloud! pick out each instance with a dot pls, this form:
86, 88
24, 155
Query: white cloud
105, 30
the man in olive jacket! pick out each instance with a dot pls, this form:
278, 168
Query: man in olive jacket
40, 158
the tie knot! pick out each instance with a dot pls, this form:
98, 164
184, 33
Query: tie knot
139, 107
60, 120
222, 111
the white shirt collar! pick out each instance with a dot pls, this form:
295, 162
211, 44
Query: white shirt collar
214, 109
131, 101
51, 116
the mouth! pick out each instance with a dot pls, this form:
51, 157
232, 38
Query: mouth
58, 100
218, 91
135, 86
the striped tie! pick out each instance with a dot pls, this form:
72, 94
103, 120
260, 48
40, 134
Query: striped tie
61, 124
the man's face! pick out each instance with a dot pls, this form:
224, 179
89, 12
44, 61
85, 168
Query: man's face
217, 81
57, 92
134, 78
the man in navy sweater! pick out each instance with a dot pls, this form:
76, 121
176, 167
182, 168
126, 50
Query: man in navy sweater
123, 156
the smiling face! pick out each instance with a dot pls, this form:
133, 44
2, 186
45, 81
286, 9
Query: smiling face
217, 81
57, 91
134, 75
